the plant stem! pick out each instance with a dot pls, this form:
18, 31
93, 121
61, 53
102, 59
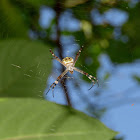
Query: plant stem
58, 10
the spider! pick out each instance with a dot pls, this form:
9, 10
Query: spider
69, 63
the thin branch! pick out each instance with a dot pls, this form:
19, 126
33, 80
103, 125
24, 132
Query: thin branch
58, 10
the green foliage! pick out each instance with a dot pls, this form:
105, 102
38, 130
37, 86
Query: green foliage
106, 76
11, 21
37, 3
132, 30
137, 78
25, 66
29, 119
71, 3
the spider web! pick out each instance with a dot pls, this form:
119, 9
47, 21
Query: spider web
67, 42
116, 82
111, 92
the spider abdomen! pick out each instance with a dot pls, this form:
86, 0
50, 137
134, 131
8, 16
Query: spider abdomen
68, 61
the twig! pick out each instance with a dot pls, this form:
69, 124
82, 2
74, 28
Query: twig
58, 10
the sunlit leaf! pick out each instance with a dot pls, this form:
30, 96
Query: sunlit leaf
24, 68
32, 119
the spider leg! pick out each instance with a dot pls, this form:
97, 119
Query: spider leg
91, 87
55, 57
52, 86
92, 78
56, 82
77, 55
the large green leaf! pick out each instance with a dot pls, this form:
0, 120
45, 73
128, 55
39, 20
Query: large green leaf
33, 119
24, 68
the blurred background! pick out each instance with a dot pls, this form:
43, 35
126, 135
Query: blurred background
109, 31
